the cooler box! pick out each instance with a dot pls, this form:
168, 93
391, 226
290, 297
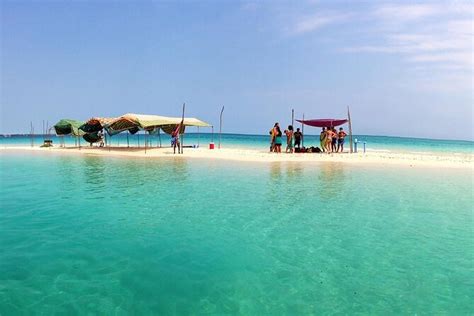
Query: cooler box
211, 145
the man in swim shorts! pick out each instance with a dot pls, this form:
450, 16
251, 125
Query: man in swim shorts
298, 137
340, 139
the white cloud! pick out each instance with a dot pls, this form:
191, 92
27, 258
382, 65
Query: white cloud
310, 23
424, 33
405, 12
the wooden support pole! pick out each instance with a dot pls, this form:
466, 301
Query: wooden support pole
182, 135
292, 117
199, 136
350, 130
32, 134
220, 127
302, 132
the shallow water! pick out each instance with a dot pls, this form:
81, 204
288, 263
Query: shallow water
106, 235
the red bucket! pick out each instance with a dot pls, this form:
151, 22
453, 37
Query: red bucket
211, 145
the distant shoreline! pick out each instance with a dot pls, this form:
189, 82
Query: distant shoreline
260, 156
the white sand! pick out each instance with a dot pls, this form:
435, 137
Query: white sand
440, 160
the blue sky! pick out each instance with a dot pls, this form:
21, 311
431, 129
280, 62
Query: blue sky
404, 68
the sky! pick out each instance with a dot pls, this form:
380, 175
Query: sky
403, 68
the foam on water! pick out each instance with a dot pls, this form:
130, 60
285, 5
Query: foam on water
104, 235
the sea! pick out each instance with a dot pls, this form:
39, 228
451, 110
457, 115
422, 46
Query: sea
98, 235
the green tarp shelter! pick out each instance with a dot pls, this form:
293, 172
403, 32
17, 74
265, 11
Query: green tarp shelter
68, 127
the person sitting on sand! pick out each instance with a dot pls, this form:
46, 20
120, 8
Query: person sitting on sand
340, 139
298, 137
175, 139
277, 139
289, 139
334, 140
322, 139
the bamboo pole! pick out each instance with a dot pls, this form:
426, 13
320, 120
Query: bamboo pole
220, 127
350, 129
32, 134
182, 126
128, 141
199, 136
292, 117
302, 132
145, 141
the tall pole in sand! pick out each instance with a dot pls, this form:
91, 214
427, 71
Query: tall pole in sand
292, 117
182, 126
350, 129
302, 132
32, 134
199, 136
220, 127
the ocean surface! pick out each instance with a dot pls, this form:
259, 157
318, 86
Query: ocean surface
117, 236
372, 143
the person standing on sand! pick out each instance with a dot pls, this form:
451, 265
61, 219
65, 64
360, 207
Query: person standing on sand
298, 137
329, 136
175, 139
340, 139
273, 132
322, 139
334, 140
278, 142
289, 139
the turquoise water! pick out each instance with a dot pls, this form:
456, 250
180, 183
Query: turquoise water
101, 235
373, 143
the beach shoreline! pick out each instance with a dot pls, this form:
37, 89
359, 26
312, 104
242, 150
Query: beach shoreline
427, 159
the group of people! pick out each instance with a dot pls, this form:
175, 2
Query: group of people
331, 140
293, 139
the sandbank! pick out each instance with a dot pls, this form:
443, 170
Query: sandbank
441, 160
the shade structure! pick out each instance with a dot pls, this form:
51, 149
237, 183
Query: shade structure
323, 122
96, 124
92, 137
68, 127
134, 122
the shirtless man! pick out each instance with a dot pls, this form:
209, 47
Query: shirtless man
298, 137
340, 139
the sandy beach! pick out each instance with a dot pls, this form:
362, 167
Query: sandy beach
424, 159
